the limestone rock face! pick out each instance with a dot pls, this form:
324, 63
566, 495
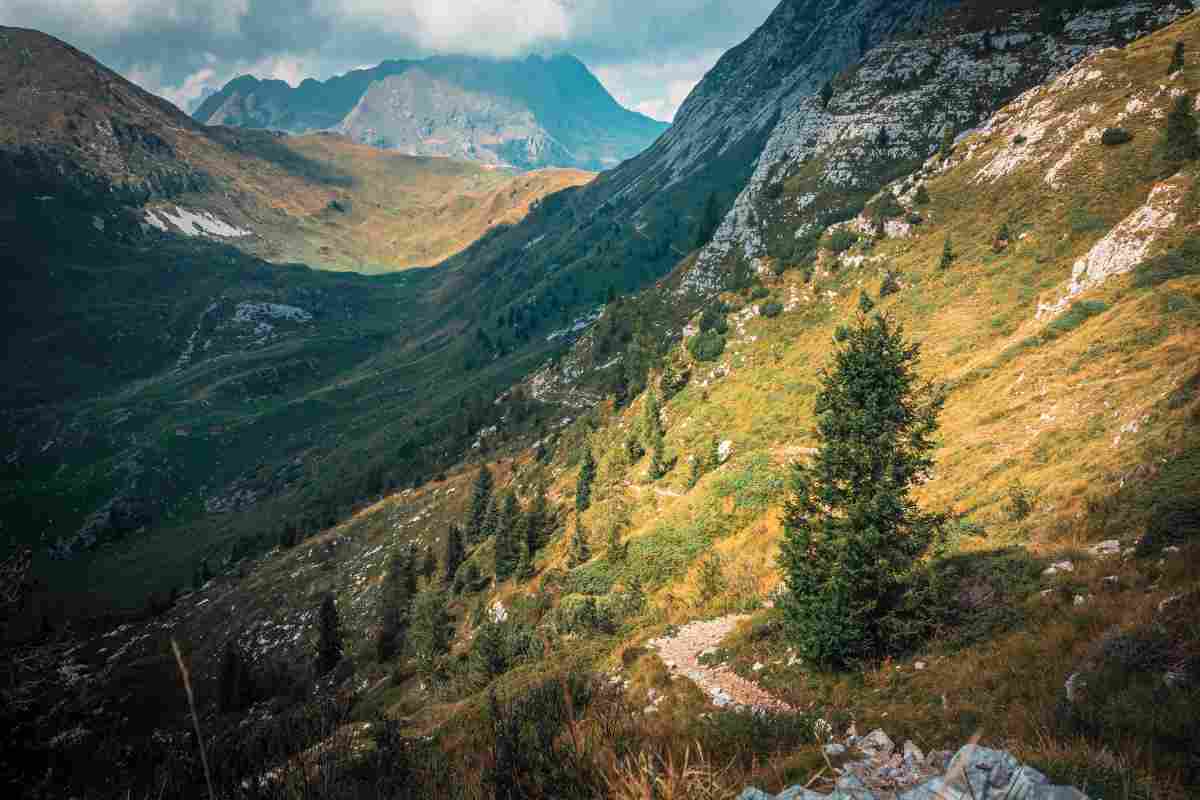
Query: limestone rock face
889, 112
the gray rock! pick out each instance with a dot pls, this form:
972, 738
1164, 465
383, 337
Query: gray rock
835, 749
755, 794
912, 753
877, 742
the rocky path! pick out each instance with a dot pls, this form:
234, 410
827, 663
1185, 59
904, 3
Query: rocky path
681, 653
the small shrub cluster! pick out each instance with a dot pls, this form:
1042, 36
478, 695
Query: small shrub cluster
706, 346
770, 310
841, 240
1115, 136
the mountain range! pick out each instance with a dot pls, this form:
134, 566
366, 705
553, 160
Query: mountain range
529, 113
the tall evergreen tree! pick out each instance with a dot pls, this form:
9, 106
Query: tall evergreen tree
1179, 137
453, 556
658, 458
508, 545
947, 254
579, 552
583, 488
429, 633
537, 520
399, 586
329, 636
852, 532
1177, 58
428, 563
491, 518
481, 496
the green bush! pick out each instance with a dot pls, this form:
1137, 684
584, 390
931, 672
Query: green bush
760, 293
707, 346
841, 240
713, 319
1180, 262
889, 286
770, 310
1115, 136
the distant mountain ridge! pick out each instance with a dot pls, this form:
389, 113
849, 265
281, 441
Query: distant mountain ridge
530, 113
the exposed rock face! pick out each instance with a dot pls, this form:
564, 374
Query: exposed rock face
887, 114
529, 113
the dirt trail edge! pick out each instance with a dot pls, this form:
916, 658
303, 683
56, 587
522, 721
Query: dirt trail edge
681, 653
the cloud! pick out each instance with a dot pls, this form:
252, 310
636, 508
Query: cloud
649, 53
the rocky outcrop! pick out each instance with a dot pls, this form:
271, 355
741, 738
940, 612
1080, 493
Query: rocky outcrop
974, 773
829, 154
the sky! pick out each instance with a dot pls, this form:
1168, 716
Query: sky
648, 53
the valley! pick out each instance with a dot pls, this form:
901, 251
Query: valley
459, 482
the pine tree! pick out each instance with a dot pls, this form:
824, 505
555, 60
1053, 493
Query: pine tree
329, 636
694, 472
508, 546
1177, 59
481, 496
947, 254
579, 552
852, 533
947, 147
429, 633
537, 520
658, 462
491, 518
865, 304
428, 563
453, 556
526, 569
395, 603
826, 94
1179, 138
714, 454
587, 474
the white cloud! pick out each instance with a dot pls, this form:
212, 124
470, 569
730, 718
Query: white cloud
656, 89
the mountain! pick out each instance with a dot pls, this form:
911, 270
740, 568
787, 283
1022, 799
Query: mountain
1044, 263
529, 113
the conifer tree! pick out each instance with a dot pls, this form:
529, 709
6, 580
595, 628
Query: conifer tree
507, 546
587, 474
947, 147
329, 636
695, 472
537, 520
852, 533
714, 454
658, 461
429, 633
428, 563
525, 569
1177, 58
826, 94
865, 303
1179, 138
395, 602
491, 518
481, 496
579, 552
947, 254
453, 556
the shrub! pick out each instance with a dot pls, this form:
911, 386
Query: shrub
1177, 58
1019, 139
841, 240
713, 319
710, 582
1021, 501
1179, 142
947, 254
770, 310
1180, 262
889, 286
760, 293
1115, 136
707, 346
850, 537
922, 196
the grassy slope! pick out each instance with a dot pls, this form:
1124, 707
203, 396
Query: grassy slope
397, 212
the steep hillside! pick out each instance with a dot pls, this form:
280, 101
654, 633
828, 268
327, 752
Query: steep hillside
1053, 287
528, 113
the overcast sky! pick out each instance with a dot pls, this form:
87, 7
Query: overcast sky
649, 53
